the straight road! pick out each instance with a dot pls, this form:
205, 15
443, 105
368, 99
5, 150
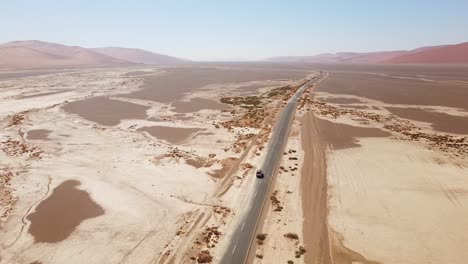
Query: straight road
243, 236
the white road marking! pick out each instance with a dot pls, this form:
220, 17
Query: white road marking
234, 249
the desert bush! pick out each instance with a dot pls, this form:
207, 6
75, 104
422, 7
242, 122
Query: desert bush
300, 252
204, 257
261, 236
291, 236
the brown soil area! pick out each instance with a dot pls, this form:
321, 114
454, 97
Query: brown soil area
441, 122
396, 90
57, 216
106, 111
342, 136
436, 72
174, 84
196, 162
317, 236
173, 135
314, 194
38, 134
448, 143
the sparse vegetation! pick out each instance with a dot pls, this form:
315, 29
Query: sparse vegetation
204, 257
276, 203
280, 91
261, 236
301, 251
445, 142
291, 236
242, 101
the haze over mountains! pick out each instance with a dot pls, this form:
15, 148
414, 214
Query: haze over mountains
33, 53
138, 56
457, 53
39, 54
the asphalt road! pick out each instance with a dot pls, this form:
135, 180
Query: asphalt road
243, 236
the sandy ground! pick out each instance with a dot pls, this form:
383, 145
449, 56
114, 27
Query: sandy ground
396, 183
377, 180
284, 214
411, 204
144, 194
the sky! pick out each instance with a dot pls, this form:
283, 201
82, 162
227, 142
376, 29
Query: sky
238, 29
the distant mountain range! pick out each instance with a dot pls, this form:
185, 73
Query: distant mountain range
449, 54
39, 54
138, 56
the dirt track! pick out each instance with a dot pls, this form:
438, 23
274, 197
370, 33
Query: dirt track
314, 194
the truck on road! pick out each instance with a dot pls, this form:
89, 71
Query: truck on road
260, 174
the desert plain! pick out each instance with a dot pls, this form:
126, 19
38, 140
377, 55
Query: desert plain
148, 164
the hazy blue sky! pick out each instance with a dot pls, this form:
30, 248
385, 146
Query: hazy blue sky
205, 29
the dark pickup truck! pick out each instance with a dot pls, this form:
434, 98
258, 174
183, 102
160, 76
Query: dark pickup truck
260, 174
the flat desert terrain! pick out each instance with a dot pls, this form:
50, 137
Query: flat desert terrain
157, 164
391, 143
131, 165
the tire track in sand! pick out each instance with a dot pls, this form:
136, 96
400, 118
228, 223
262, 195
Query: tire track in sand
323, 244
314, 194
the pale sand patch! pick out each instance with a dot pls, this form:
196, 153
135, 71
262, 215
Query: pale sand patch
144, 202
75, 86
197, 104
40, 94
380, 105
117, 169
174, 135
398, 202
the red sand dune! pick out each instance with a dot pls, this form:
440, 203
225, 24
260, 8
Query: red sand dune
14, 57
138, 56
432, 54
33, 53
443, 54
